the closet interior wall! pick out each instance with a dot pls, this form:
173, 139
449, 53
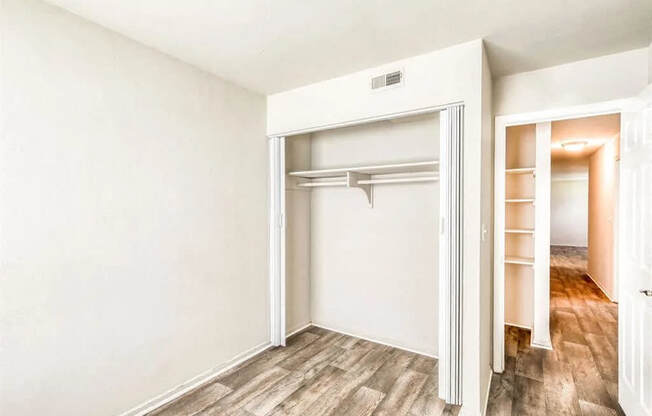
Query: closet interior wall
367, 271
297, 235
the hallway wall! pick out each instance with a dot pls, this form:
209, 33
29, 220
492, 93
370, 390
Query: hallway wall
602, 200
569, 211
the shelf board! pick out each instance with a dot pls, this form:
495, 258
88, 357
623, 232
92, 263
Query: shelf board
527, 261
519, 171
519, 201
519, 231
379, 181
411, 167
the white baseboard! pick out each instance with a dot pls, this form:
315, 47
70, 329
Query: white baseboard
533, 344
375, 340
543, 346
297, 330
195, 382
486, 396
600, 287
529, 328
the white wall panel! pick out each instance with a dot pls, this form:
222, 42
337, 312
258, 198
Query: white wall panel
374, 270
605, 78
133, 217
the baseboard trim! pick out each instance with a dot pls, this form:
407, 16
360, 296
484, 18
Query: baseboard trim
486, 396
600, 287
375, 340
543, 346
195, 382
298, 330
532, 343
529, 328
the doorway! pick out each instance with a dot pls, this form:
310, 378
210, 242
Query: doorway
558, 188
583, 287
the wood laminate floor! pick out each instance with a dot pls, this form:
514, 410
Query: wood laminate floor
580, 376
321, 373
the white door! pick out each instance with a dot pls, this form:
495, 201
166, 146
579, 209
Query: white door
635, 260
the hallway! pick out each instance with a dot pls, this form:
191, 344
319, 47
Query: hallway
580, 376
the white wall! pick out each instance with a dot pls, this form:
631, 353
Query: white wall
446, 76
486, 282
602, 200
297, 235
609, 77
374, 271
649, 64
133, 216
436, 78
569, 211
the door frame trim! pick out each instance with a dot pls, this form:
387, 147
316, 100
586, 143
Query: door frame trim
501, 124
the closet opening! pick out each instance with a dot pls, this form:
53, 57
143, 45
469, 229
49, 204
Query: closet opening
366, 237
362, 231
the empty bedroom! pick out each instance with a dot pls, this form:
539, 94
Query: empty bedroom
325, 208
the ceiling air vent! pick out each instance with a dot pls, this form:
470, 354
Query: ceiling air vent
386, 80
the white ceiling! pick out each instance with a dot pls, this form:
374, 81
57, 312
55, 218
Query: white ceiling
274, 45
596, 131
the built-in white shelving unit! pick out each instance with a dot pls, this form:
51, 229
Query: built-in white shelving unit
364, 177
521, 245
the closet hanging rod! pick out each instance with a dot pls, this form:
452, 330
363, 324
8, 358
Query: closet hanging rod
409, 167
398, 180
321, 184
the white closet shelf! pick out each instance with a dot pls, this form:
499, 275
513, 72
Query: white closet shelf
410, 167
519, 171
377, 181
519, 231
519, 200
527, 261
364, 177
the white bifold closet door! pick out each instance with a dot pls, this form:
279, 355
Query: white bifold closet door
277, 240
451, 245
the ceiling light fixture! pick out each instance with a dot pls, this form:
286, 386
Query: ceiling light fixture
574, 145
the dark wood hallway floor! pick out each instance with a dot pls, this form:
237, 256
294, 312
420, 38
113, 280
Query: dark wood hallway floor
580, 376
